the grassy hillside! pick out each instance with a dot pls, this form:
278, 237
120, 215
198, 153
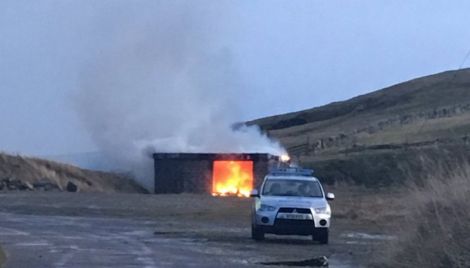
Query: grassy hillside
379, 137
26, 173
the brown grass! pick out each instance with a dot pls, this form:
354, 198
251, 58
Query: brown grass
370, 208
436, 231
34, 170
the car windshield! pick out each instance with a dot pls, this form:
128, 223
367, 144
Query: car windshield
288, 187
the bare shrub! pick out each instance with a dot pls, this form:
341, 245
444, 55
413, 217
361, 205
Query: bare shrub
436, 230
2, 257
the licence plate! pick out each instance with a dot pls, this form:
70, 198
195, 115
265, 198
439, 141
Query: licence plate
294, 216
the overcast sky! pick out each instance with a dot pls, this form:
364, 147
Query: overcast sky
290, 55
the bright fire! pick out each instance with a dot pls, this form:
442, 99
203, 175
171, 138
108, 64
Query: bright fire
232, 178
285, 158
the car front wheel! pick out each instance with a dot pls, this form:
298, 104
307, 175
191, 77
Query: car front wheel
321, 235
256, 233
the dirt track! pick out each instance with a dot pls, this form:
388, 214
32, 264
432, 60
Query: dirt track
132, 230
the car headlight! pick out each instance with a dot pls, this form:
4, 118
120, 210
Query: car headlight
323, 210
264, 207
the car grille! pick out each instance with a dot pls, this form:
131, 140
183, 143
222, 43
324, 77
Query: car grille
298, 210
294, 223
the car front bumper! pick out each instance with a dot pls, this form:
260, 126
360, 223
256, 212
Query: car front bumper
271, 222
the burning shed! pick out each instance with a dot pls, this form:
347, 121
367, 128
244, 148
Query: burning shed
216, 174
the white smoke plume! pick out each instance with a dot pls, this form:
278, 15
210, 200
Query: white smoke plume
165, 84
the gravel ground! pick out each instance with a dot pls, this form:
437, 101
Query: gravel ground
135, 230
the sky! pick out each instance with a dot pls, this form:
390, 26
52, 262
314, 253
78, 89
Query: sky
288, 55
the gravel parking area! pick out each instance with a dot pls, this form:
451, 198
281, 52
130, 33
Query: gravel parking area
132, 230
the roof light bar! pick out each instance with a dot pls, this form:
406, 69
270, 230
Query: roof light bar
291, 171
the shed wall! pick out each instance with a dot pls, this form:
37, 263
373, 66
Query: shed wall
192, 173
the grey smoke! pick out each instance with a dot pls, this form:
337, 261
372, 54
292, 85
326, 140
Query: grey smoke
165, 84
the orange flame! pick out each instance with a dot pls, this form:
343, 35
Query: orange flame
234, 178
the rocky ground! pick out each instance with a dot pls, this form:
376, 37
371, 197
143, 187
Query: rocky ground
133, 230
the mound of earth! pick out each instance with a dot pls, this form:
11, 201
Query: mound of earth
34, 174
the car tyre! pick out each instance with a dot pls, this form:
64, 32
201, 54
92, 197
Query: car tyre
256, 233
321, 235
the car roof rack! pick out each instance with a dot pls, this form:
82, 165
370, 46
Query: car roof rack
291, 171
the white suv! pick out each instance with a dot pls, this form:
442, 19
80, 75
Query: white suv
291, 202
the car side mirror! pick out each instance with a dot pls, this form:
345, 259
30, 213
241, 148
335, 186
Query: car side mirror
330, 196
254, 193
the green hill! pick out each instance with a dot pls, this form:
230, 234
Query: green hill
384, 136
